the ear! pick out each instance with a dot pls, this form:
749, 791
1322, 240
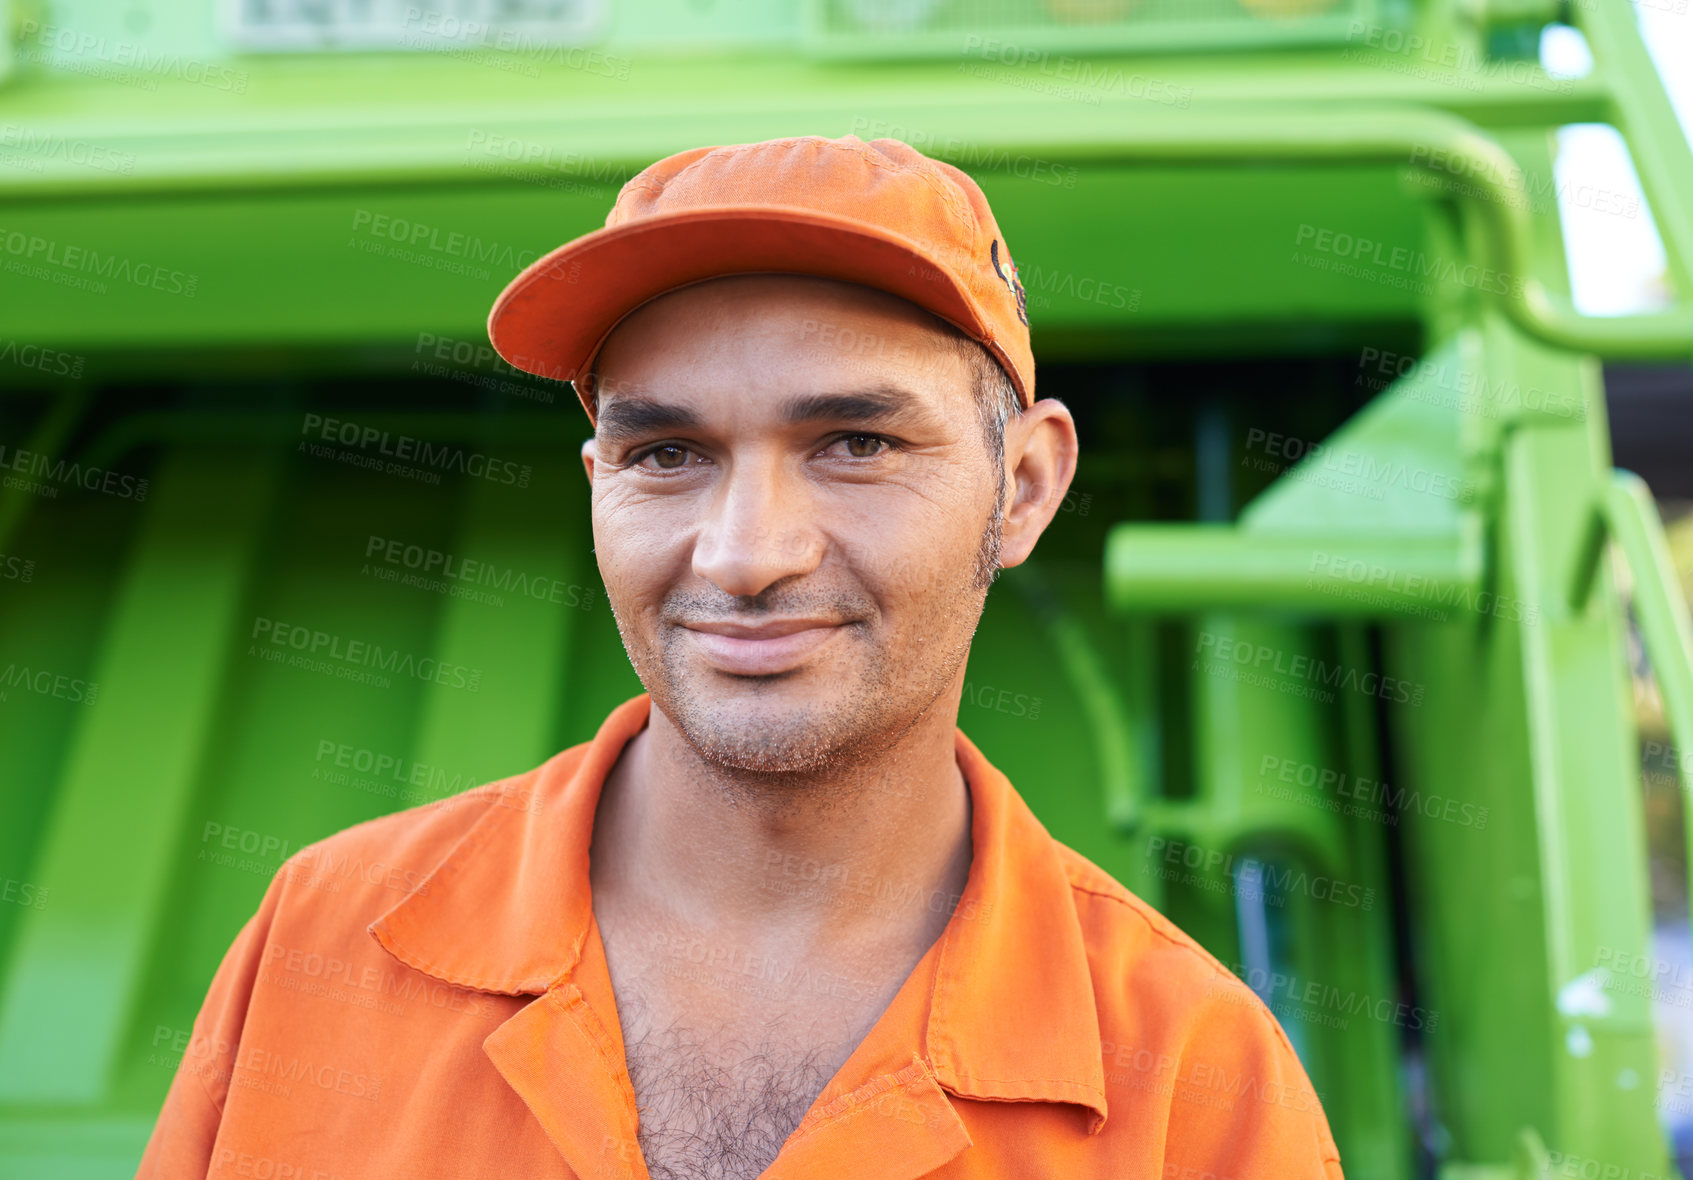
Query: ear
1040, 461
589, 452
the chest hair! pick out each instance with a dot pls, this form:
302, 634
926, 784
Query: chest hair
714, 1106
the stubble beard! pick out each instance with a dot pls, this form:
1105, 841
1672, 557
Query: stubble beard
811, 742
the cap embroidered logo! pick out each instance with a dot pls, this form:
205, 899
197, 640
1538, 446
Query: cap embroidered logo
1012, 282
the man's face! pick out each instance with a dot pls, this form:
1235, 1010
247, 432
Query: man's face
793, 506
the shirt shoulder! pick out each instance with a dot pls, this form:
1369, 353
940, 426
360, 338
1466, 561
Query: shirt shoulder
375, 863
311, 927
1182, 1035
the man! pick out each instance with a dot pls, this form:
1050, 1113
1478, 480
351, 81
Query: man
779, 917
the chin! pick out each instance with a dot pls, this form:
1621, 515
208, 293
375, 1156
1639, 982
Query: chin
767, 727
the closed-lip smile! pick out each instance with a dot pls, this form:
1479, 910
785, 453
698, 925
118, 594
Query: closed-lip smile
764, 648
768, 629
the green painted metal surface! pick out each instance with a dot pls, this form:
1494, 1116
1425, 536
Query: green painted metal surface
1322, 655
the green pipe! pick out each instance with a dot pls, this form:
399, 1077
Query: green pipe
1192, 567
1632, 518
1412, 138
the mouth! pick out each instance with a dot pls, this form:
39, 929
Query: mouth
762, 649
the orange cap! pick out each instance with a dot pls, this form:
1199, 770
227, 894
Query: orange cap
880, 213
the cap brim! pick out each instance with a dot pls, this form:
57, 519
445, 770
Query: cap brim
552, 318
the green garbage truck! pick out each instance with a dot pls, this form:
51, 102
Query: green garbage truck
1326, 655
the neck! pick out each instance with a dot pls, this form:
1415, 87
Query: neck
861, 857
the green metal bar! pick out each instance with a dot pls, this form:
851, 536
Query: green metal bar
1190, 567
1585, 813
1261, 133
108, 857
1632, 518
1642, 112
1405, 137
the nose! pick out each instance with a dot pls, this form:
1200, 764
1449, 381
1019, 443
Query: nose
761, 528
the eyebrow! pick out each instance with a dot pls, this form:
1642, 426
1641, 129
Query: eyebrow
883, 404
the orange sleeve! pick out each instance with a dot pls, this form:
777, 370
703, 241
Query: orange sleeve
185, 1135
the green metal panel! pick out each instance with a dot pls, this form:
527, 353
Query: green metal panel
1410, 811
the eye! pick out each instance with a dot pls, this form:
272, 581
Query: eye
863, 446
665, 457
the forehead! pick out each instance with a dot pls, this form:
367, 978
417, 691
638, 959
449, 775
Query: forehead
777, 335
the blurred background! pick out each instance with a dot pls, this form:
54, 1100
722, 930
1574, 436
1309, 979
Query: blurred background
1360, 646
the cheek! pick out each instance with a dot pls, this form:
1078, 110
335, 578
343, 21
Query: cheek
921, 563
637, 553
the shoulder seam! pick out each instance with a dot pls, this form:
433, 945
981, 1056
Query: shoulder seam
1265, 1016
1201, 953
205, 1092
1129, 905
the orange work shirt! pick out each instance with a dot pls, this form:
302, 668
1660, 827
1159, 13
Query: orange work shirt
426, 995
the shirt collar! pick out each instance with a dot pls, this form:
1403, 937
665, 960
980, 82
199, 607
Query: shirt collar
507, 910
